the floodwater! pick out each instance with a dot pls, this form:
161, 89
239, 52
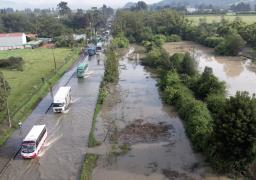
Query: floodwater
63, 152
134, 112
239, 73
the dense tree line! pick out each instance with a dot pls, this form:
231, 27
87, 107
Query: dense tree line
227, 37
53, 25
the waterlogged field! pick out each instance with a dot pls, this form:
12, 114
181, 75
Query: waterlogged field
250, 19
39, 63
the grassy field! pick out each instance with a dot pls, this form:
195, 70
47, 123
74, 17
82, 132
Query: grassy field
38, 63
27, 87
250, 19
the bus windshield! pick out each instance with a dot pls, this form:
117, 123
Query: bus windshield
28, 147
58, 104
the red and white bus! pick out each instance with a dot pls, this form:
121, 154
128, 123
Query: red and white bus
34, 141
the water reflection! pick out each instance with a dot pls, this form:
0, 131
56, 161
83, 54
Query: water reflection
233, 70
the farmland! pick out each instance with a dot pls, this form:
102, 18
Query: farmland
249, 19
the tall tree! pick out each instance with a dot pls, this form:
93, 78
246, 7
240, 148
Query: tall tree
4, 92
63, 8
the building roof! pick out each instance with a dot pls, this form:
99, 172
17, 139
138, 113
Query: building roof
11, 34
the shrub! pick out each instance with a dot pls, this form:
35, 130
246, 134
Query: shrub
159, 39
213, 41
120, 42
235, 131
208, 84
232, 45
156, 57
111, 67
173, 38
188, 65
195, 113
176, 61
12, 63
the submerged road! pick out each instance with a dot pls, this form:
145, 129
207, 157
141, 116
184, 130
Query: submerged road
63, 152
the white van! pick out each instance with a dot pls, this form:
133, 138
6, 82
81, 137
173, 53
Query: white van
62, 99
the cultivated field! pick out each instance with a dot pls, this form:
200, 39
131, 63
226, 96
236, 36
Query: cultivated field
250, 19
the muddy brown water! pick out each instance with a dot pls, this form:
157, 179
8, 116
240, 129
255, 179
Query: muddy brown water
239, 73
135, 103
63, 152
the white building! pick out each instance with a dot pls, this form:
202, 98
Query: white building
12, 41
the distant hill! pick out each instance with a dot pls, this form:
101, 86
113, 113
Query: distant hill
194, 3
221, 3
129, 5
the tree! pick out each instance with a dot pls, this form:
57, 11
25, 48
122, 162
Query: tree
141, 5
4, 92
232, 45
208, 84
188, 65
63, 8
235, 131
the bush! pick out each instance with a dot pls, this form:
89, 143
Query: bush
173, 38
235, 131
208, 84
64, 41
111, 67
12, 63
159, 40
120, 42
213, 41
156, 57
194, 113
176, 61
188, 65
232, 45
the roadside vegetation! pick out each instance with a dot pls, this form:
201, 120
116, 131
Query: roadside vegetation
110, 76
222, 128
89, 164
31, 80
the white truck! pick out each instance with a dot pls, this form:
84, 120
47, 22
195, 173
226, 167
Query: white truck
99, 47
62, 99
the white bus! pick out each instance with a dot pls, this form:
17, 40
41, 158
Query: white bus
34, 141
62, 99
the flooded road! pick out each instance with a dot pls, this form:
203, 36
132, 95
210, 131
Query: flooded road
134, 115
239, 73
64, 150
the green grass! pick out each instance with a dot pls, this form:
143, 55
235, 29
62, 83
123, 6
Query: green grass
27, 88
89, 164
38, 63
249, 19
92, 142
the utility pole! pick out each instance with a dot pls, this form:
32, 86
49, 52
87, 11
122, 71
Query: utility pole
7, 106
55, 66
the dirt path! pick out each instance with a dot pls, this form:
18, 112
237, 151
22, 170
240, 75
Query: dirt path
142, 137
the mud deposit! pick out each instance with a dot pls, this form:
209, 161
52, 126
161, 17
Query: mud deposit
239, 73
134, 115
140, 132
